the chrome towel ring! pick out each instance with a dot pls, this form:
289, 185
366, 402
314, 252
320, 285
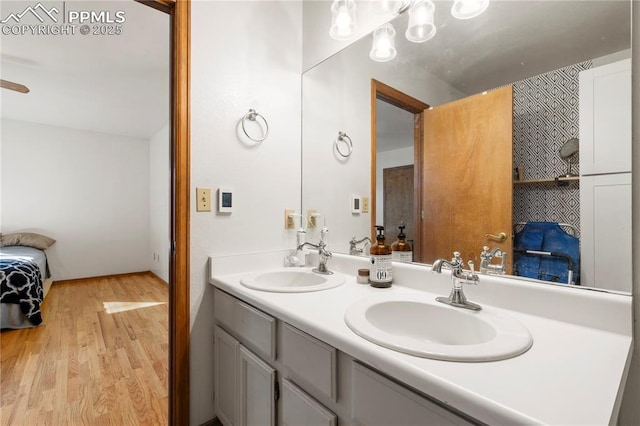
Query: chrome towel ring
252, 115
345, 140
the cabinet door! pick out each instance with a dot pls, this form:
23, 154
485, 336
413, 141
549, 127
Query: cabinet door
298, 408
225, 369
605, 231
605, 119
257, 391
377, 401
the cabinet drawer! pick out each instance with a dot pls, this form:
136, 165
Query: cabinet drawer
224, 308
309, 362
379, 401
251, 326
298, 408
256, 328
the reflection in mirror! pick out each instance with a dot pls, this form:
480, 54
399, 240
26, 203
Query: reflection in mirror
548, 54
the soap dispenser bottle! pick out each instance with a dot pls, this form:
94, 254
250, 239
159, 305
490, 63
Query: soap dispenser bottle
401, 250
380, 270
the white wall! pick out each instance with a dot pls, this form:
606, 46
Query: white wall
159, 200
337, 97
89, 191
244, 55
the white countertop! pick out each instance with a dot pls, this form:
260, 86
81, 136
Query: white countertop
572, 375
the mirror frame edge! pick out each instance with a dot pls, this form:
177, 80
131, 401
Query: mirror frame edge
408, 103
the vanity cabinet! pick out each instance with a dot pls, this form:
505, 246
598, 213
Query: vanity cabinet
245, 385
378, 401
269, 372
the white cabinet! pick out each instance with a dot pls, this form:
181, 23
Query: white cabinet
298, 408
305, 381
605, 227
257, 398
309, 362
244, 384
605, 119
605, 176
378, 401
225, 370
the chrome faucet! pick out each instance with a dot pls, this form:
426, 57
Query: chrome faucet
354, 250
486, 267
458, 277
324, 256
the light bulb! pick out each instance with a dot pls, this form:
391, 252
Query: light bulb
384, 7
343, 19
383, 48
467, 9
421, 26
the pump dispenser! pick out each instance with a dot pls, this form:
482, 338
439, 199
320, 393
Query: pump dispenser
401, 250
380, 270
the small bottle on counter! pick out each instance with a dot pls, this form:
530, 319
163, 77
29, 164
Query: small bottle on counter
401, 250
380, 271
363, 276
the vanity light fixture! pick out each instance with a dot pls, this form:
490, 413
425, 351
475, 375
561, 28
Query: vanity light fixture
421, 26
383, 48
383, 7
467, 9
343, 19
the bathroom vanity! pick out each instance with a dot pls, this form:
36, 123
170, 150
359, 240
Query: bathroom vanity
288, 357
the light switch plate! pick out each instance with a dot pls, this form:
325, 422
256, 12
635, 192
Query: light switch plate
203, 197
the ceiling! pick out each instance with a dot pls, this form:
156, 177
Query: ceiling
116, 84
119, 84
511, 41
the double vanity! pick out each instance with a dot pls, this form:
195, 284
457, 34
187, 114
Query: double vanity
295, 347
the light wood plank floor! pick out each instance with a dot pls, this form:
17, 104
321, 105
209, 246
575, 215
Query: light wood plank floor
95, 360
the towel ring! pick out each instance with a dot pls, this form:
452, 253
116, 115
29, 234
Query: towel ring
252, 115
346, 140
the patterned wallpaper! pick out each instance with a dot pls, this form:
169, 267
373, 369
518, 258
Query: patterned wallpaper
545, 115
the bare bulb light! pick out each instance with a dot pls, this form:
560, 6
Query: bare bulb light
343, 19
421, 26
383, 48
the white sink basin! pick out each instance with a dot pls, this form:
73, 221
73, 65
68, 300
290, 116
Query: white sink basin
291, 280
420, 326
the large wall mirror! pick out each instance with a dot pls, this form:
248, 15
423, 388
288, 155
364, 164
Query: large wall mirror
460, 138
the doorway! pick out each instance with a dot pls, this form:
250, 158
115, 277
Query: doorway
384, 97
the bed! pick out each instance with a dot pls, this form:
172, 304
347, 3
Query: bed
24, 280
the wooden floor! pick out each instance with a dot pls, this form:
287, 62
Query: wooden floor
86, 366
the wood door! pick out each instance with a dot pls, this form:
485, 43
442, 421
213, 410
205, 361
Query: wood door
467, 176
397, 183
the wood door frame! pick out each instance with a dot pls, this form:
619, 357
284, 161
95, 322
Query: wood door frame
401, 100
180, 163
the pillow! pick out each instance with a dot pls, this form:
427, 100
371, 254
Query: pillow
29, 239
